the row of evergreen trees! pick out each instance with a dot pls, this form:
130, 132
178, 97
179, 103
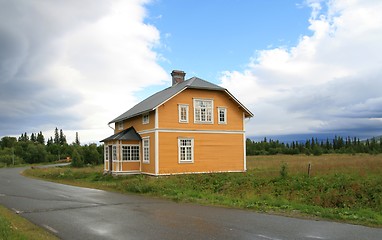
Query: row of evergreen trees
315, 146
33, 149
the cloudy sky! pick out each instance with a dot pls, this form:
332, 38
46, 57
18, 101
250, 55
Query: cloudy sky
301, 66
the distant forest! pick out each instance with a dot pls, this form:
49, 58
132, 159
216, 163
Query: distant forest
35, 149
315, 147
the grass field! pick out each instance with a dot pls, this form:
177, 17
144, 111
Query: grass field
362, 164
13, 227
340, 187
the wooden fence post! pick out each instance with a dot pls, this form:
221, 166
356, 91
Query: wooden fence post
309, 168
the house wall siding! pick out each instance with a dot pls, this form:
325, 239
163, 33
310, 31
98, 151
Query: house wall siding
212, 153
149, 167
129, 166
136, 122
168, 112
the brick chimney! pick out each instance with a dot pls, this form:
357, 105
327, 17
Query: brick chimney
177, 76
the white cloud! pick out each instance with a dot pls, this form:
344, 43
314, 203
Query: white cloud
110, 60
330, 81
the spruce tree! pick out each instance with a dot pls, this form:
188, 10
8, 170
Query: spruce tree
77, 139
50, 141
62, 138
56, 137
40, 138
33, 137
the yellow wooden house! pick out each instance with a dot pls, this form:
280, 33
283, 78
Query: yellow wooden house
193, 126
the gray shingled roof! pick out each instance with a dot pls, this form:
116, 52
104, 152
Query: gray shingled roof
127, 134
158, 98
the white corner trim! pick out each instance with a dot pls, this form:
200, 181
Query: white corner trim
244, 144
156, 160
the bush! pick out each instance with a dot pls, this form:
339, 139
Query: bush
77, 160
317, 151
10, 159
307, 152
91, 154
284, 170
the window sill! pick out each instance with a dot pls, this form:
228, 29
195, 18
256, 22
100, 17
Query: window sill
182, 162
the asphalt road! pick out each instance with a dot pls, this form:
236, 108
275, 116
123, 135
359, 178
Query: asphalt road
82, 213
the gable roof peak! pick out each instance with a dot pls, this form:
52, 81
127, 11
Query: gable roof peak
155, 100
199, 83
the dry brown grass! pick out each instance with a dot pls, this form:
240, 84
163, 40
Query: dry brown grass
324, 164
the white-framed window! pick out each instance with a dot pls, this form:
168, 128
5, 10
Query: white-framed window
183, 113
186, 150
120, 125
203, 111
222, 115
146, 149
106, 157
114, 153
106, 151
145, 118
130, 152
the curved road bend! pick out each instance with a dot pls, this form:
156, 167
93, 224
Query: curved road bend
82, 213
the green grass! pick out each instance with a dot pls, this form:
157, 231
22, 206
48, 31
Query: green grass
14, 227
340, 188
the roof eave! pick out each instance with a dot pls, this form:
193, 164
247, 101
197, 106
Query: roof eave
169, 98
249, 114
120, 135
134, 115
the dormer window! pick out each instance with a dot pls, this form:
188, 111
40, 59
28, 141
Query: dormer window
203, 111
120, 125
145, 118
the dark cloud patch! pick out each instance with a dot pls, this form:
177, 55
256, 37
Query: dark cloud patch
15, 125
30, 98
26, 105
13, 51
362, 127
352, 97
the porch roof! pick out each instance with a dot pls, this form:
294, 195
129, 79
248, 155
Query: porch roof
127, 134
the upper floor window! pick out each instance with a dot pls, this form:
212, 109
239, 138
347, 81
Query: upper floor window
120, 125
203, 112
183, 113
222, 115
145, 118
